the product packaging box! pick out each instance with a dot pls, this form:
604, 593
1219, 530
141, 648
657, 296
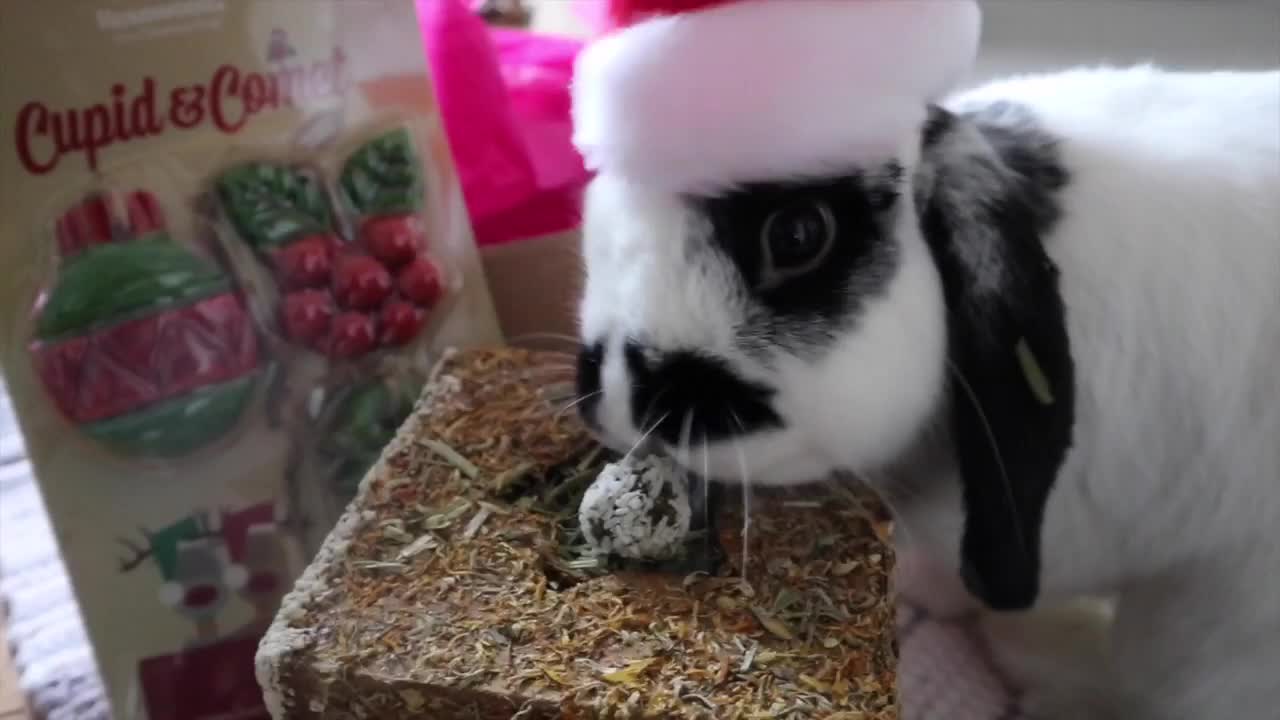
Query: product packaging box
233, 244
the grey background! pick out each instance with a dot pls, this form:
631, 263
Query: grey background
1028, 35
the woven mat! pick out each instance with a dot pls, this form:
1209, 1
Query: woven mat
944, 671
46, 635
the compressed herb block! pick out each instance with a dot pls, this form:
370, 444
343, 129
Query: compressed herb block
449, 590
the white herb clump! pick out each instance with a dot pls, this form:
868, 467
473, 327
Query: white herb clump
637, 509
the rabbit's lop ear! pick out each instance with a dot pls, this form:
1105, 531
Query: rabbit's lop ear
1012, 397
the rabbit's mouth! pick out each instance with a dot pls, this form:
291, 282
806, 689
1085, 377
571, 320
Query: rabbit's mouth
676, 399
696, 409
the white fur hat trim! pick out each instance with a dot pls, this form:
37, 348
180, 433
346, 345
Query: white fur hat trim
767, 89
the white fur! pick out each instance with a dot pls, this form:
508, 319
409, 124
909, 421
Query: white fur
1169, 249
1169, 499
762, 89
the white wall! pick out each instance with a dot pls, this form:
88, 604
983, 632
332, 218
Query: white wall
1021, 35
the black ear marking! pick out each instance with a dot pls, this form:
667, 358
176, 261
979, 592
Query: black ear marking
1012, 375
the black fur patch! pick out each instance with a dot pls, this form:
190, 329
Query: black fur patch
590, 362
938, 124
995, 170
688, 388
811, 310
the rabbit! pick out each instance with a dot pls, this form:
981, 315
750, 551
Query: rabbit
1047, 333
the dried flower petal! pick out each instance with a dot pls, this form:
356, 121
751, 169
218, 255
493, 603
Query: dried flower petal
630, 675
1034, 374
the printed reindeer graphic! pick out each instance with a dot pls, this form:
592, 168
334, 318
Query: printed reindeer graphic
201, 565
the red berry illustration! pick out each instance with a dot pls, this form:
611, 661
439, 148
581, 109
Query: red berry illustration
306, 263
145, 215
401, 322
393, 239
353, 334
198, 596
361, 282
379, 285
86, 224
307, 314
420, 282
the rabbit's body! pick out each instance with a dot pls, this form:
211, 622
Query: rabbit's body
1048, 330
1168, 245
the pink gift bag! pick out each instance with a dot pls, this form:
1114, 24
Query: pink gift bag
504, 96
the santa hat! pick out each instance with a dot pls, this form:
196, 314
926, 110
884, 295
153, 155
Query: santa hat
700, 94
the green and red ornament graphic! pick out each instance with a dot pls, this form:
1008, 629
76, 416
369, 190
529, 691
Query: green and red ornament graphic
141, 343
339, 298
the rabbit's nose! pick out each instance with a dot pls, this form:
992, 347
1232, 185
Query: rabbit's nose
682, 397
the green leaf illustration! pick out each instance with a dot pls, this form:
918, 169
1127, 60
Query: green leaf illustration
384, 176
271, 205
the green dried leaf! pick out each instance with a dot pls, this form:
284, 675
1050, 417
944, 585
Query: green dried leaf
506, 480
442, 520
419, 546
585, 563
477, 521
379, 565
1034, 374
785, 600
394, 532
775, 626
453, 457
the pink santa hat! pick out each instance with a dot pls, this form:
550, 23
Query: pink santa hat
694, 95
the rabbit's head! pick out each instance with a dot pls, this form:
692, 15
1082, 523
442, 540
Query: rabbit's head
771, 333
797, 265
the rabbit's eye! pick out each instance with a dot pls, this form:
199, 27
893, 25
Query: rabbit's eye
796, 239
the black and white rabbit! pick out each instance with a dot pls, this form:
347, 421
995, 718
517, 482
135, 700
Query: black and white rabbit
1047, 330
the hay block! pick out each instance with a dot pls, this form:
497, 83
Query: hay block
449, 589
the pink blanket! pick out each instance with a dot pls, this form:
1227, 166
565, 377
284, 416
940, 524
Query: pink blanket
946, 674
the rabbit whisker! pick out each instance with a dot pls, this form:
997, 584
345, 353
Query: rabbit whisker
745, 478
706, 483
881, 488
645, 436
576, 402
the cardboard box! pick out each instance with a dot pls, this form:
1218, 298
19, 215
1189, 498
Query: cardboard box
536, 284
